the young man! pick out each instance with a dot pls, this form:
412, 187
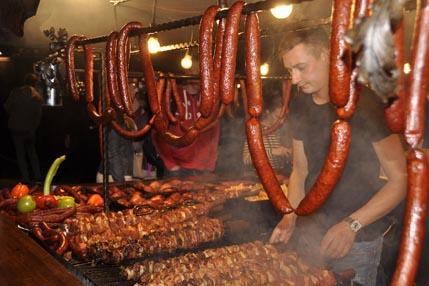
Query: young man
347, 232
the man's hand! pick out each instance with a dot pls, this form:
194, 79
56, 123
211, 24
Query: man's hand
284, 229
338, 241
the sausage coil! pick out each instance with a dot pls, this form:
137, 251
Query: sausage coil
122, 67
340, 60
331, 170
253, 63
417, 88
206, 59
229, 59
414, 220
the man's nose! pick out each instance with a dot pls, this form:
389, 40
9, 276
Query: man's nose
294, 78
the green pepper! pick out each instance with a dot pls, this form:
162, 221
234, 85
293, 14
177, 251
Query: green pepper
66, 202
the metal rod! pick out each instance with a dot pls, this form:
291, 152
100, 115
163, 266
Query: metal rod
248, 8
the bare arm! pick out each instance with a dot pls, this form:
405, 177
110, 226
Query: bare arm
284, 229
339, 239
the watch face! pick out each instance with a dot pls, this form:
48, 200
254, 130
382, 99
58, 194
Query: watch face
355, 225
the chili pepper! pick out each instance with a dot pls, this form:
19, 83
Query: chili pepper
48, 200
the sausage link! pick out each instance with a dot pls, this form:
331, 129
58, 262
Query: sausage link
134, 134
204, 124
166, 101
111, 72
263, 167
331, 170
395, 112
217, 62
70, 67
181, 141
123, 59
229, 52
206, 59
414, 220
89, 71
340, 59
149, 75
417, 88
253, 63
100, 119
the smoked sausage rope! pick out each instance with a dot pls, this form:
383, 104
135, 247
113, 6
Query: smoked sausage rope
206, 59
331, 170
414, 220
417, 166
70, 68
253, 126
229, 51
208, 98
122, 65
417, 88
97, 117
340, 59
111, 72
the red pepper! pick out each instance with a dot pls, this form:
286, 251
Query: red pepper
45, 202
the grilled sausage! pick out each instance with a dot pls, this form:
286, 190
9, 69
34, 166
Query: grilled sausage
70, 67
89, 71
263, 167
229, 52
166, 102
149, 75
340, 60
122, 67
206, 60
253, 63
111, 72
331, 170
134, 134
98, 118
416, 95
414, 220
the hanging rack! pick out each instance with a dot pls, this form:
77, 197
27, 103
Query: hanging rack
248, 8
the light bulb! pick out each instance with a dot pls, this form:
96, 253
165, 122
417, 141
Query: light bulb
186, 62
153, 45
281, 11
407, 68
265, 69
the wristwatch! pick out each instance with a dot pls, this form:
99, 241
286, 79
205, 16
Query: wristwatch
354, 224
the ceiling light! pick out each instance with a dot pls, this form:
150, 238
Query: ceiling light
186, 61
265, 69
281, 11
153, 45
407, 68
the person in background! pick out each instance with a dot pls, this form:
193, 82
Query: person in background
278, 154
200, 156
120, 149
347, 231
24, 108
